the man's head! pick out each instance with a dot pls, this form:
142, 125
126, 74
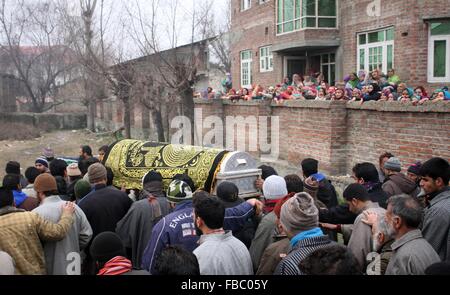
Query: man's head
365, 172
413, 172
310, 167
267, 171
381, 233
332, 260
382, 159
392, 166
187, 179
176, 261
274, 188
73, 171
209, 214
356, 197
97, 174
81, 189
6, 197
299, 214
294, 183
152, 176
435, 175
228, 192
105, 247
58, 168
178, 192
41, 164
12, 167
85, 152
31, 174
102, 152
12, 182
45, 186
404, 213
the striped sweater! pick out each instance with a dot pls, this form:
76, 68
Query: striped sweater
289, 265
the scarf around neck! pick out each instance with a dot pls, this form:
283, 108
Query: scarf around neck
316, 232
116, 266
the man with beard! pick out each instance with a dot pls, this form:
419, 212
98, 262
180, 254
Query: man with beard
412, 254
436, 221
383, 237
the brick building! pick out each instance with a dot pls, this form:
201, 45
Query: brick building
277, 38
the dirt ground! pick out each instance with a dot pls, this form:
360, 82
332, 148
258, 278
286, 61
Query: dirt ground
64, 143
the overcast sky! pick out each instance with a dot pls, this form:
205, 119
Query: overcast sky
116, 14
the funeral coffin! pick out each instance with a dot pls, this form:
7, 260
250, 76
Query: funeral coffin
130, 160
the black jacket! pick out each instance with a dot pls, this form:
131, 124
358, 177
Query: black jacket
104, 208
327, 194
341, 214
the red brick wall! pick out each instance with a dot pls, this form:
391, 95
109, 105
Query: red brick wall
340, 135
410, 52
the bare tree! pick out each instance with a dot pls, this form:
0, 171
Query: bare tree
174, 69
47, 61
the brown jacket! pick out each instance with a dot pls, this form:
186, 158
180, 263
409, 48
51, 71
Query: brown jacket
21, 234
272, 257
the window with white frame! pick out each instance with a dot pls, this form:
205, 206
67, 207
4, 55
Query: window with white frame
265, 59
328, 67
263, 1
294, 15
246, 4
246, 69
439, 52
376, 50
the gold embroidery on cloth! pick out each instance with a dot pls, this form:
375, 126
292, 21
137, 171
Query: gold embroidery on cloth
130, 160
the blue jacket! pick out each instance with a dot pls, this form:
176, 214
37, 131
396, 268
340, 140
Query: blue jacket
178, 229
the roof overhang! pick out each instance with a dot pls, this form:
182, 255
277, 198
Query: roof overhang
305, 45
436, 18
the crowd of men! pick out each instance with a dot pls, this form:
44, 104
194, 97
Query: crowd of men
60, 219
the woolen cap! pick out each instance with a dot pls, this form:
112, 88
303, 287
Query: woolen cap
106, 246
41, 160
73, 170
179, 191
299, 214
45, 183
393, 164
97, 172
274, 188
152, 176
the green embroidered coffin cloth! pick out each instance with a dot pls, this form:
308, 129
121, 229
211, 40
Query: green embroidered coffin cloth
130, 160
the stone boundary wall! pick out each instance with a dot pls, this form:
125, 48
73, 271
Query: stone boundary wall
341, 134
47, 121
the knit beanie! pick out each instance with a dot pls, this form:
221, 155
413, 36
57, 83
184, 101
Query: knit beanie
179, 191
311, 186
106, 246
415, 169
73, 170
228, 192
152, 176
81, 189
45, 183
48, 153
41, 160
12, 167
393, 164
299, 214
274, 188
97, 172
